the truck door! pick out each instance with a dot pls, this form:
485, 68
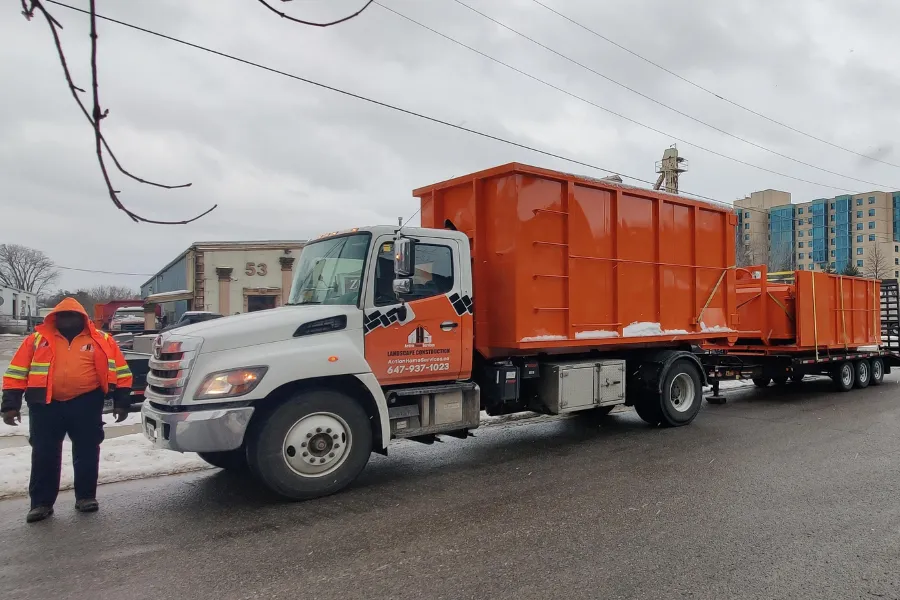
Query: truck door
419, 340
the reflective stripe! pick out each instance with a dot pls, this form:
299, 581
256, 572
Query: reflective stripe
40, 371
123, 374
15, 368
123, 368
37, 340
11, 375
37, 364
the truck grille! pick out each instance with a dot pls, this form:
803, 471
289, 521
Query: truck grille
169, 370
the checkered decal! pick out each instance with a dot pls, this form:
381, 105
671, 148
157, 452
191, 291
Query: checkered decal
461, 305
379, 319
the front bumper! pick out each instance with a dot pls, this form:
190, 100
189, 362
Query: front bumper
213, 430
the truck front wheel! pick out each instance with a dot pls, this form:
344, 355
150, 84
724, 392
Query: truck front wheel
230, 460
313, 445
680, 400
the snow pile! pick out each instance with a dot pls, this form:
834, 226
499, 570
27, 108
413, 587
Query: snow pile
121, 459
543, 338
641, 329
714, 328
595, 335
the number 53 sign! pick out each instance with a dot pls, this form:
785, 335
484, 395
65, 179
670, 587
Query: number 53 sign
260, 269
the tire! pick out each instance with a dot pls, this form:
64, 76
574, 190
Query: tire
780, 380
843, 376
877, 371
862, 374
230, 460
680, 400
333, 421
762, 382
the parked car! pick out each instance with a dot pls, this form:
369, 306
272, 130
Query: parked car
191, 317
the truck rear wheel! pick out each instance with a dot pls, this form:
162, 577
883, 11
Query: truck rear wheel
877, 371
680, 400
762, 382
863, 374
843, 376
313, 445
230, 460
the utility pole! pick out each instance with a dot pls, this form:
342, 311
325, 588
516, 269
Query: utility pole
669, 168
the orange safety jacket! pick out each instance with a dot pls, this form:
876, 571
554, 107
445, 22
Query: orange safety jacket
30, 373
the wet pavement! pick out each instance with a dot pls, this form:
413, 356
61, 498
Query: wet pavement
778, 494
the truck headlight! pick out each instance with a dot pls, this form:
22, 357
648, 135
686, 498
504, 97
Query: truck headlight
230, 384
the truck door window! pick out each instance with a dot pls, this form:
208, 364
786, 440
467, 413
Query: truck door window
433, 274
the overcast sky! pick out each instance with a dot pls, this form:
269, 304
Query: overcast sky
285, 160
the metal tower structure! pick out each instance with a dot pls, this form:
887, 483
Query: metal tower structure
669, 169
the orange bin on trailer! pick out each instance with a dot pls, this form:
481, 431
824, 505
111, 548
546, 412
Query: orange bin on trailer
817, 310
564, 263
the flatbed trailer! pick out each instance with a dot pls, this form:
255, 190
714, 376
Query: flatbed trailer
848, 369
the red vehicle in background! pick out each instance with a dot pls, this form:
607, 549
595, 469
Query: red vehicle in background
103, 313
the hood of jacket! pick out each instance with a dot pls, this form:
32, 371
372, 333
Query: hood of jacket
67, 305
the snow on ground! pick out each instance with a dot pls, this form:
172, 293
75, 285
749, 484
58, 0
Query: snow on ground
123, 458
22, 428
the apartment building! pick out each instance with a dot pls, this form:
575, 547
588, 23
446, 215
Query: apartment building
861, 230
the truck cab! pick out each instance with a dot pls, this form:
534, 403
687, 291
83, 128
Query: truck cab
304, 393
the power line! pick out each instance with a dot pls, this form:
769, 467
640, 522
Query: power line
666, 106
605, 109
709, 91
313, 23
394, 108
104, 272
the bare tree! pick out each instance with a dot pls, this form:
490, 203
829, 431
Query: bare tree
106, 293
780, 258
877, 265
26, 269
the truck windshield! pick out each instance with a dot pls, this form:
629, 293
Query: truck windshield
330, 271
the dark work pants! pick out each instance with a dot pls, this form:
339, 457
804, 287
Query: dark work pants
48, 424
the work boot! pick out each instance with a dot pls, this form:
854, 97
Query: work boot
38, 513
87, 505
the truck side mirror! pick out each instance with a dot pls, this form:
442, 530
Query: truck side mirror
403, 259
402, 287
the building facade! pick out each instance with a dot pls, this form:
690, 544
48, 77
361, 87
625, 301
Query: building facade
860, 230
16, 307
225, 277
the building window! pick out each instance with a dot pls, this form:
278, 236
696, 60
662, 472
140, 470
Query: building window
832, 265
799, 244
859, 263
859, 239
897, 261
799, 267
799, 211
871, 199
859, 226
832, 254
747, 215
747, 236
832, 241
871, 212
859, 214
896, 248
832, 218
832, 230
812, 267
871, 224
799, 234
859, 201
746, 225
871, 237
799, 221
801, 256
832, 206
859, 251
809, 232
809, 220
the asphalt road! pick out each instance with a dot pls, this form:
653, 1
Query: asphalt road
775, 495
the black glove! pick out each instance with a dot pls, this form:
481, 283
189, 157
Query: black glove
12, 417
121, 414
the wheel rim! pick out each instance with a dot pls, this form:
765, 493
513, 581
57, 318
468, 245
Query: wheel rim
876, 369
863, 372
681, 392
847, 375
317, 444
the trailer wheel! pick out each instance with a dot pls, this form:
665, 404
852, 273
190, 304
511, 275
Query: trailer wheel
863, 374
680, 400
762, 382
843, 376
780, 380
877, 371
313, 445
230, 460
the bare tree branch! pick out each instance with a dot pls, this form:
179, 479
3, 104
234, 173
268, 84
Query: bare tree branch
312, 23
26, 269
97, 114
876, 263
